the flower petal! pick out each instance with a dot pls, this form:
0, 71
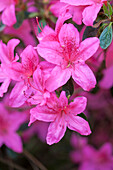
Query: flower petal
56, 130
57, 78
51, 51
90, 13
78, 105
43, 113
13, 141
84, 77
78, 124
8, 16
87, 48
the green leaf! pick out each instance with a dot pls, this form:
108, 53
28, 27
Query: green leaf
20, 17
106, 12
106, 37
2, 26
110, 8
34, 14
83, 116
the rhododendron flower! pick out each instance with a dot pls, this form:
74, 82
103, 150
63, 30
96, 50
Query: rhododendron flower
61, 115
23, 33
39, 77
69, 55
97, 159
8, 14
60, 8
9, 124
7, 58
23, 88
107, 81
79, 143
48, 34
92, 7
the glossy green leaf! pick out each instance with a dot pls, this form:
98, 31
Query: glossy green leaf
106, 37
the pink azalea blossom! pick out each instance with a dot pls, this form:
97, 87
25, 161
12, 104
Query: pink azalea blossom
23, 89
40, 76
78, 143
23, 33
61, 115
8, 14
107, 81
92, 7
7, 59
69, 55
93, 159
48, 34
60, 8
9, 124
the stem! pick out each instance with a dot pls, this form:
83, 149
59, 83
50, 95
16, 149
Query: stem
11, 164
34, 160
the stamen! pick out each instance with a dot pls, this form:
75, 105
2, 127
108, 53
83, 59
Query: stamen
33, 86
39, 24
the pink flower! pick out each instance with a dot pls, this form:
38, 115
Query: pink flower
39, 77
93, 159
79, 143
61, 8
7, 58
107, 81
92, 7
23, 33
8, 14
69, 55
9, 124
23, 89
61, 115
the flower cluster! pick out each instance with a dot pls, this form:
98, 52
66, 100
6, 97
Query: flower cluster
51, 76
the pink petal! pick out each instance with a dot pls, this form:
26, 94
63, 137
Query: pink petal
69, 39
17, 119
90, 13
51, 51
78, 2
10, 48
109, 56
87, 48
84, 77
30, 59
60, 21
56, 131
8, 16
19, 94
57, 78
4, 86
78, 105
3, 53
13, 141
63, 99
78, 124
107, 81
4, 4
77, 13
43, 113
